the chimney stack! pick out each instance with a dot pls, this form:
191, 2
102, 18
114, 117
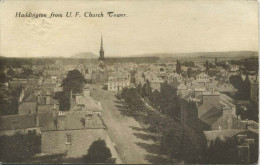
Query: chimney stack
48, 100
61, 120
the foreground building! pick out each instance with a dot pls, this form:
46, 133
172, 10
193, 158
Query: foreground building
71, 133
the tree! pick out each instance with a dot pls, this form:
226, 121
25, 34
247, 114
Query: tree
26, 73
236, 81
158, 123
19, 148
132, 73
98, 152
74, 81
207, 66
10, 72
245, 89
181, 143
178, 67
64, 100
3, 78
155, 99
222, 152
189, 71
132, 100
139, 89
188, 64
147, 89
169, 103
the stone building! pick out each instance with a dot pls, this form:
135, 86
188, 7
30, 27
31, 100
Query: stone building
24, 124
210, 110
72, 133
28, 105
117, 84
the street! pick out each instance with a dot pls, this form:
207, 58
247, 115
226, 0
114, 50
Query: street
132, 142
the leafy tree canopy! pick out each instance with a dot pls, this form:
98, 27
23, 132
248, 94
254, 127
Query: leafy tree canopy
19, 148
74, 81
98, 152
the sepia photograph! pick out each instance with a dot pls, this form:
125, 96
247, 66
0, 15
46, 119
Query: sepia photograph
129, 82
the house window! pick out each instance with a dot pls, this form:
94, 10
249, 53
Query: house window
15, 123
68, 138
32, 131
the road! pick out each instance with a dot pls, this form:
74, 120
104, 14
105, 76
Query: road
133, 144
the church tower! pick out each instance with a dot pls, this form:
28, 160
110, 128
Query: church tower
101, 55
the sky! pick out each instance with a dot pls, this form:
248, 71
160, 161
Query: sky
149, 27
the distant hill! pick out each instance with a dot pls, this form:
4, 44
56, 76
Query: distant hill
204, 54
84, 55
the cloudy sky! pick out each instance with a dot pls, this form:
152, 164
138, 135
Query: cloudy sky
150, 27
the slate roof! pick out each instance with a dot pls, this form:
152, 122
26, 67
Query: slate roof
211, 116
12, 122
90, 104
74, 120
203, 108
46, 120
30, 97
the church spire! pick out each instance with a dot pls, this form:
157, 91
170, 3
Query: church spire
101, 47
101, 54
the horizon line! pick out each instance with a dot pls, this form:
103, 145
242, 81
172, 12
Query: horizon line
135, 55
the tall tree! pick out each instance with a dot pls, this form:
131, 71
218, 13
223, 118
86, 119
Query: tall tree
181, 143
98, 152
246, 88
155, 98
64, 100
139, 89
19, 148
3, 78
10, 72
189, 70
147, 89
222, 152
132, 100
178, 67
207, 66
169, 103
74, 81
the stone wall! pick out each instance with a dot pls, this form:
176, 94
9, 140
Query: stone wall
54, 142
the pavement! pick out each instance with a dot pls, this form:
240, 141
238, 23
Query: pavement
133, 143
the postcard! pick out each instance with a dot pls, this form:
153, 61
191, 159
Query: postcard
129, 82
